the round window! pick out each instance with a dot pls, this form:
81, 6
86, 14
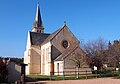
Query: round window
65, 43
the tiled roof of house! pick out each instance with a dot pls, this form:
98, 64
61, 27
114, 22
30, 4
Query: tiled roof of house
38, 38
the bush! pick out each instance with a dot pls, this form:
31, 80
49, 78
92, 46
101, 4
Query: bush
109, 68
3, 71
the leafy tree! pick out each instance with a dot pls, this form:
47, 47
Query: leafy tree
17, 60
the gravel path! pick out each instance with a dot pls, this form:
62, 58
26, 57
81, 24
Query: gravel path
83, 81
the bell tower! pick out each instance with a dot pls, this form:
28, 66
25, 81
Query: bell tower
38, 25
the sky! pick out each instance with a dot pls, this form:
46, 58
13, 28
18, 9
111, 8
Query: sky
87, 19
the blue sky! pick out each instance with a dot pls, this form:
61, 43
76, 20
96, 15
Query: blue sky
87, 19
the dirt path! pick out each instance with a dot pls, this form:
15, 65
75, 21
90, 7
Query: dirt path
83, 81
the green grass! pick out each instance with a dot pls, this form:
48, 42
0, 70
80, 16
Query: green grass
43, 77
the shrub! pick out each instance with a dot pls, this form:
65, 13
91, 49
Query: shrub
3, 71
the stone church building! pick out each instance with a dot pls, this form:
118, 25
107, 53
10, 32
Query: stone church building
54, 52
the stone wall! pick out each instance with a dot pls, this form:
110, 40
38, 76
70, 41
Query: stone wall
46, 59
70, 64
65, 34
14, 72
58, 68
35, 60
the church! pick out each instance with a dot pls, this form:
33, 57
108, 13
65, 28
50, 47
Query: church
53, 52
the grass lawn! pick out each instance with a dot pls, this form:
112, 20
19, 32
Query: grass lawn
43, 77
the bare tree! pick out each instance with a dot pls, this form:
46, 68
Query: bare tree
114, 53
78, 60
96, 50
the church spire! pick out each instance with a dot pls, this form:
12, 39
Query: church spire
38, 26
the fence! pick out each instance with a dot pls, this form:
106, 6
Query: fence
83, 74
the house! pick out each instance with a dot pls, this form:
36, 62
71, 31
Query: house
13, 69
53, 52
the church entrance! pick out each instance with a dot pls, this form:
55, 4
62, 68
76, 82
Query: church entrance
52, 68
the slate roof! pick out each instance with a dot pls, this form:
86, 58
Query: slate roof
65, 54
38, 38
38, 20
42, 38
51, 36
55, 52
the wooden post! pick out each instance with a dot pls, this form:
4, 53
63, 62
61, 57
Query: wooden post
113, 72
96, 73
75, 74
100, 72
23, 73
86, 74
78, 72
63, 75
51, 75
